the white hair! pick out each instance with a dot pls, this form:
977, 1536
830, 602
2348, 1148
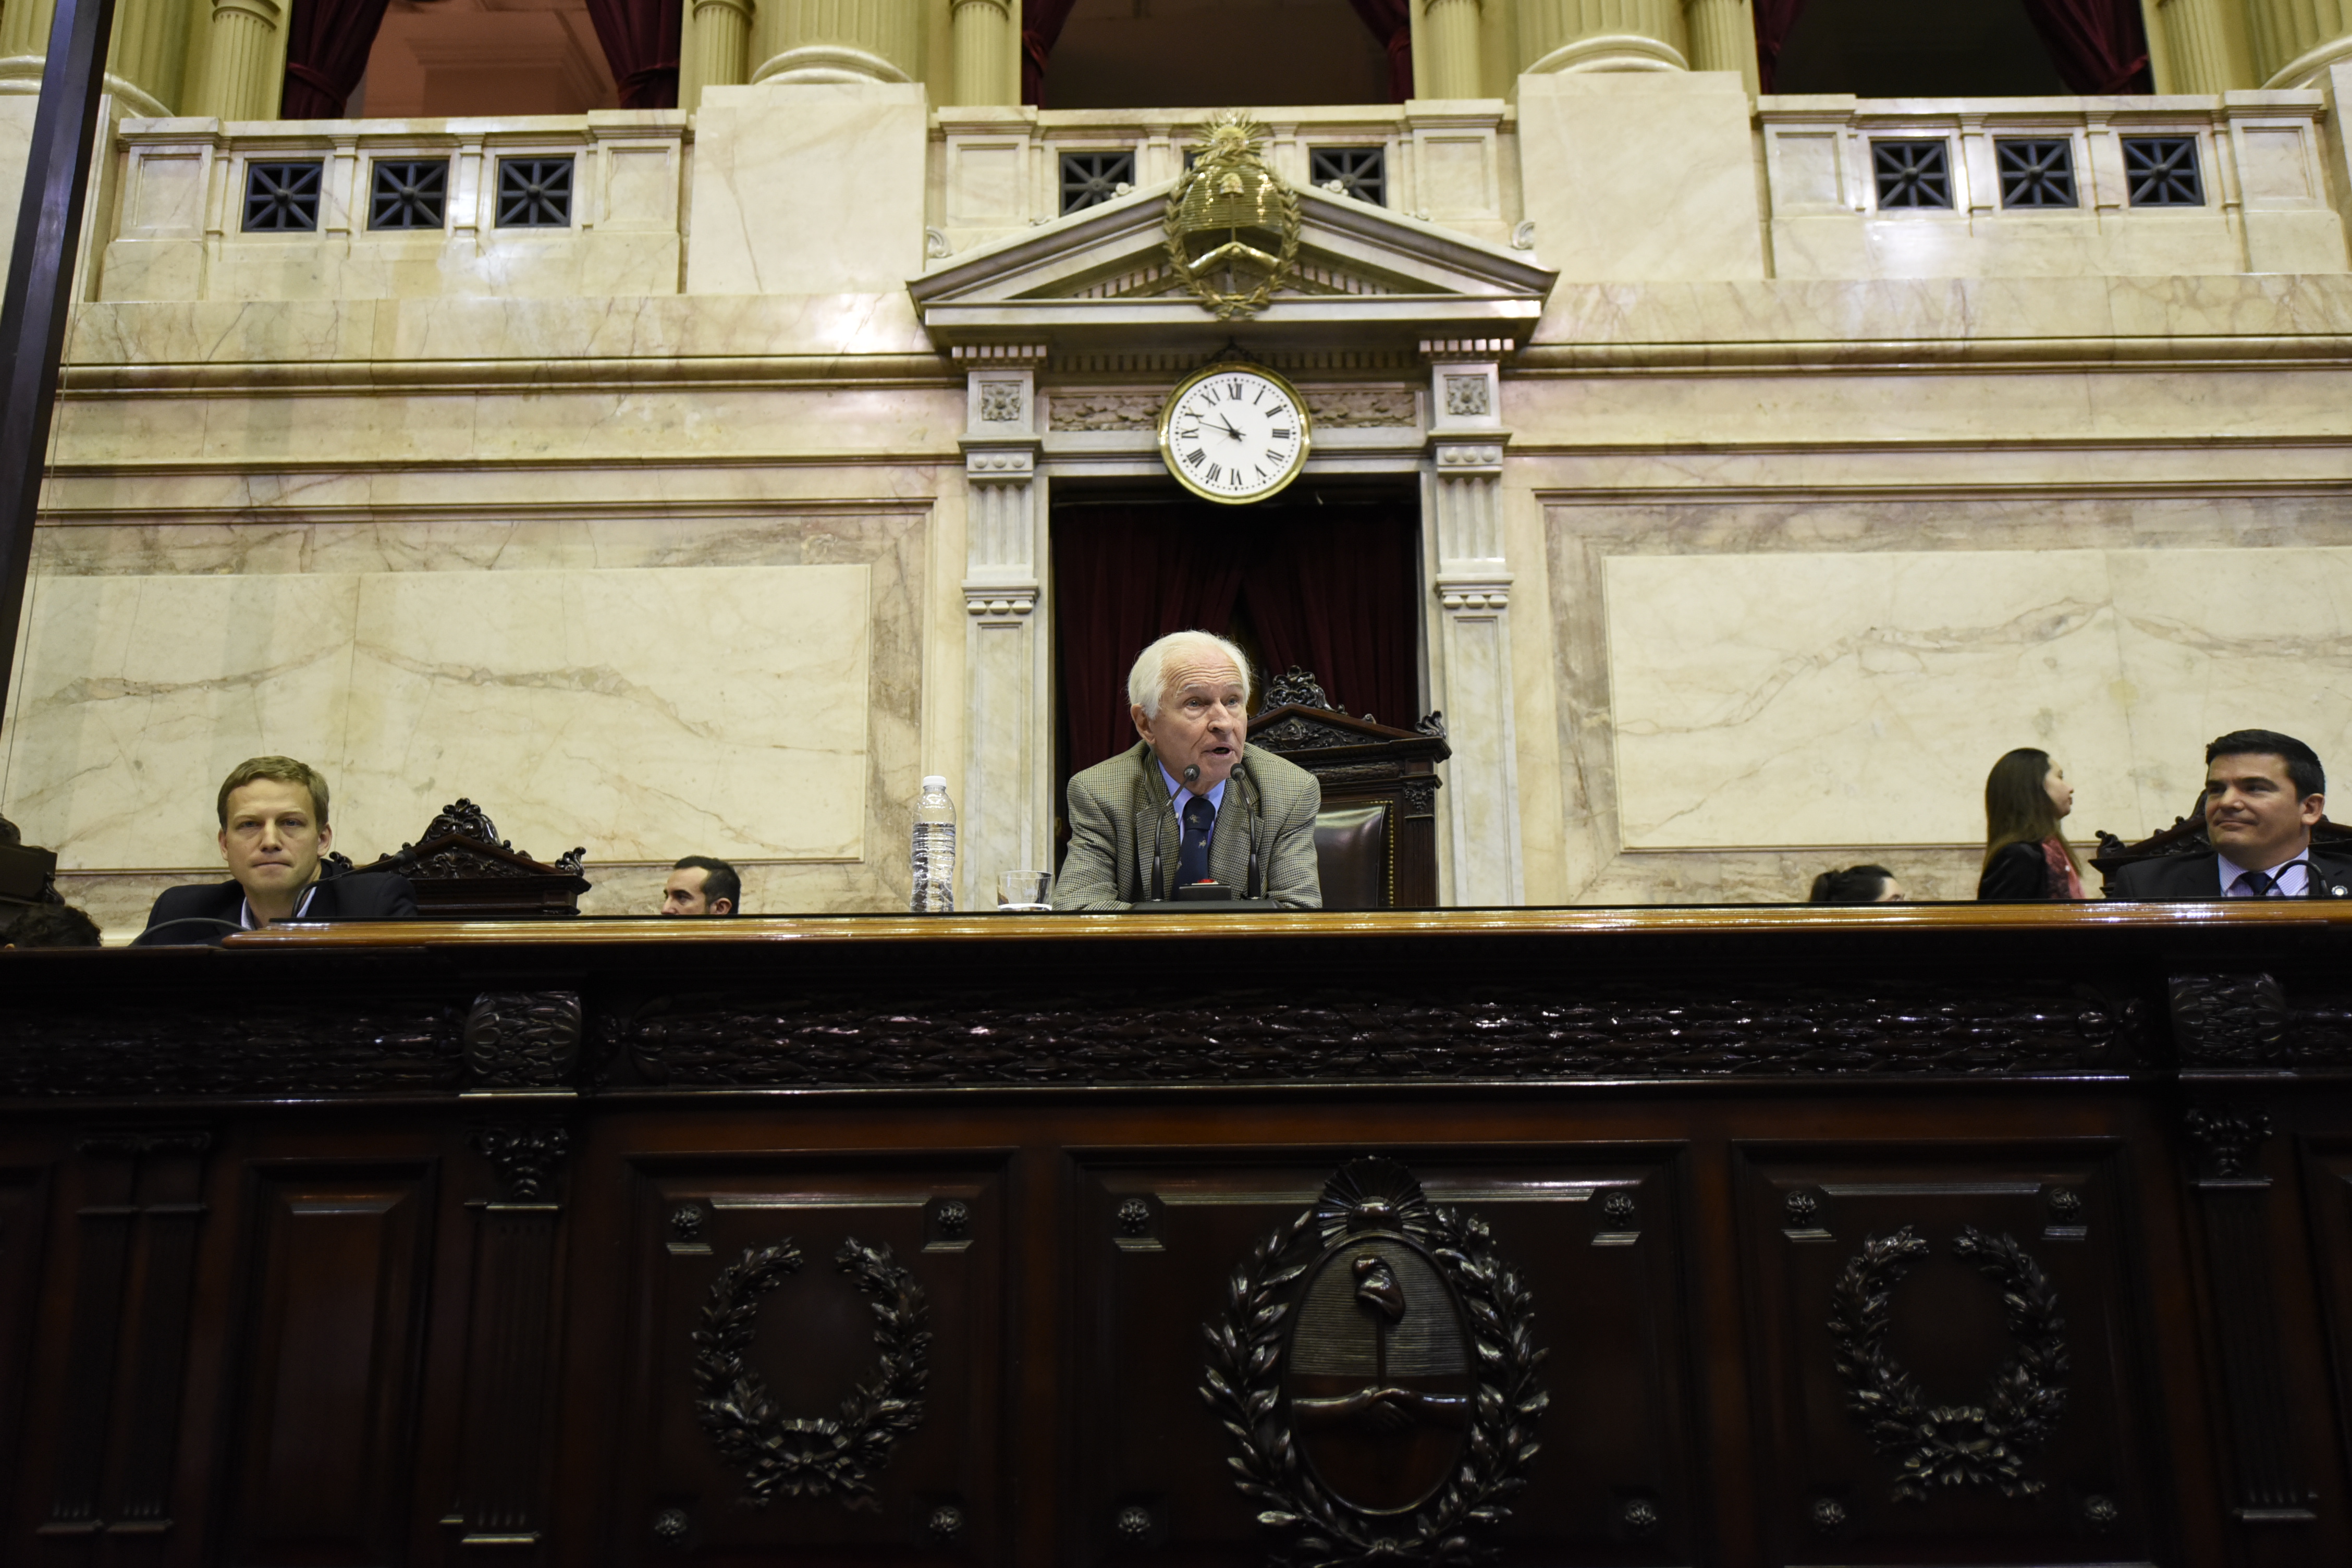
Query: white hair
1147, 680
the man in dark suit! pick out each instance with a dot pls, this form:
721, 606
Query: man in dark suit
2263, 791
273, 833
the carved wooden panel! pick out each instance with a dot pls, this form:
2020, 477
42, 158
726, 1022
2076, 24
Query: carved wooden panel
1949, 1361
1163, 1246
2327, 1194
335, 1281
24, 1194
816, 1362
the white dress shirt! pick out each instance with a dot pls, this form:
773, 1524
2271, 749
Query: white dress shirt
1216, 797
244, 909
2293, 878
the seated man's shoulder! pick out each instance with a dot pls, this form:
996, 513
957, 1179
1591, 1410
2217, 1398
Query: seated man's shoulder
1108, 778
362, 893
196, 900
1280, 777
2168, 877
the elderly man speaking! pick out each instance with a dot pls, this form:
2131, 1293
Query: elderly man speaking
1184, 805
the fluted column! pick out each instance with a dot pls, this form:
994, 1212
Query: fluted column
2297, 40
986, 44
1445, 50
837, 40
1723, 38
718, 49
24, 43
1601, 35
2206, 46
244, 71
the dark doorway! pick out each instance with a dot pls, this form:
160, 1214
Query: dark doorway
1327, 581
1916, 49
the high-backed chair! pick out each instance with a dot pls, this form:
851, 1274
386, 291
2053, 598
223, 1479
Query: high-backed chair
462, 869
2187, 837
1376, 837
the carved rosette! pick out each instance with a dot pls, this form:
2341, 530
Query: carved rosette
1966, 1445
524, 1157
783, 1455
522, 1039
1374, 1369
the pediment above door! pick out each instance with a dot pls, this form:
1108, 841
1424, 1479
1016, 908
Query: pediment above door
1099, 281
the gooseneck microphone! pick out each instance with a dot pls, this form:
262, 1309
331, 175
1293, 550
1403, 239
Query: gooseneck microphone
1191, 773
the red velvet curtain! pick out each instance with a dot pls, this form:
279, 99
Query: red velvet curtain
2099, 46
641, 44
1124, 575
1391, 23
1330, 589
1041, 28
1336, 595
327, 45
1774, 20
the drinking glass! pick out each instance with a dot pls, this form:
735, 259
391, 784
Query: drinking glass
1023, 892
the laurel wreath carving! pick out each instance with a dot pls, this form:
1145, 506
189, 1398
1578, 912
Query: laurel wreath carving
1961, 1444
782, 1455
1244, 1386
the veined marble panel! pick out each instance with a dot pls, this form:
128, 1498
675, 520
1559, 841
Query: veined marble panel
1811, 698
744, 687
1753, 691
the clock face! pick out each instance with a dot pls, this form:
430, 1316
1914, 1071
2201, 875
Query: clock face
1235, 434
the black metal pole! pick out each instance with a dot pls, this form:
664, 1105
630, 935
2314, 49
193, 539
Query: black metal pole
38, 303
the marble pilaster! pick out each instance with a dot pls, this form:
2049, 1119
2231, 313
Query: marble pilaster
145, 55
1470, 679
1005, 810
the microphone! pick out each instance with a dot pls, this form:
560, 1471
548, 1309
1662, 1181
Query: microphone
1191, 773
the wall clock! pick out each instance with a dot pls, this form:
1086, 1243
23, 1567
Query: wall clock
1233, 433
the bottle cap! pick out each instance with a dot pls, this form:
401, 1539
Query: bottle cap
935, 781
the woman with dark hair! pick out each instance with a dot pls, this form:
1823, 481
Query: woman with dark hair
2027, 859
1856, 885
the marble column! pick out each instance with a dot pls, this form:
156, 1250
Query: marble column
718, 49
1723, 38
143, 56
1006, 815
986, 43
2297, 40
1445, 49
2206, 47
1470, 636
1601, 35
243, 61
837, 40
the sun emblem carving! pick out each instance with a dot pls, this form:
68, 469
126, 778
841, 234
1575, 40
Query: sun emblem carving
1233, 222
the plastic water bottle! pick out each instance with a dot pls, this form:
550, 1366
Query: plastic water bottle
934, 849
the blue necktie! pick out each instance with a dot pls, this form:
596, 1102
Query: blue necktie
1192, 853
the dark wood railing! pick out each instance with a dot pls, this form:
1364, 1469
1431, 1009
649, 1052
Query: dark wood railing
1890, 1234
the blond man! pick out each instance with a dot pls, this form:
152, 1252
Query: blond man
274, 836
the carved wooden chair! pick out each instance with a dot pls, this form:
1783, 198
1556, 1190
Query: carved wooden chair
1376, 837
462, 869
2187, 837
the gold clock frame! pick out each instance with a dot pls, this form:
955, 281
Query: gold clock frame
1228, 367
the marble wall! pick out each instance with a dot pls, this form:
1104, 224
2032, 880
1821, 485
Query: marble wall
746, 687
1757, 691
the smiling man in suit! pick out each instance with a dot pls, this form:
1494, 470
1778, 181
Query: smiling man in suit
1188, 803
274, 835
2263, 794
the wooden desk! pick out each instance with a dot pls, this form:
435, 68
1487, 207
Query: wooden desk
392, 1244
